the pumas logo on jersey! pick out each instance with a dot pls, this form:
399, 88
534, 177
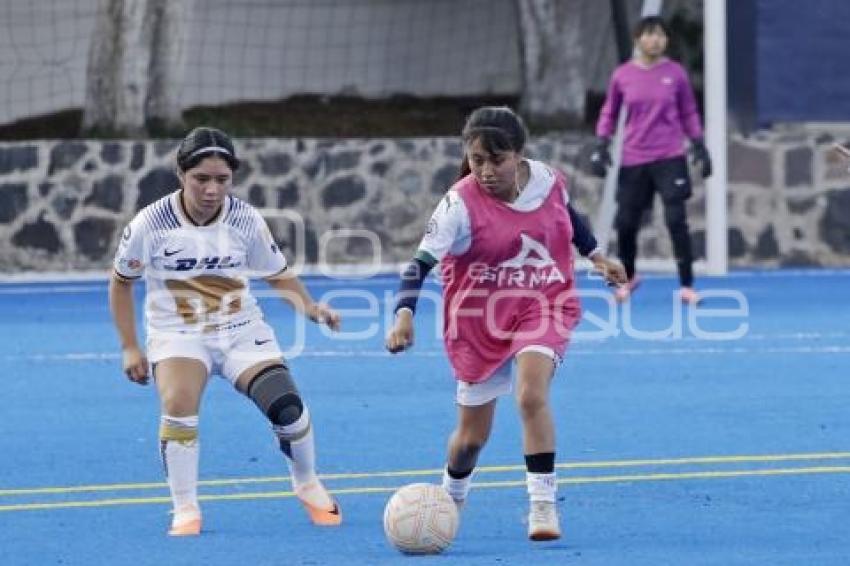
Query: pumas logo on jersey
531, 267
192, 263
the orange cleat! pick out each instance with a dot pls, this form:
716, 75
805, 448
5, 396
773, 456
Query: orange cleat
622, 293
688, 296
320, 506
186, 522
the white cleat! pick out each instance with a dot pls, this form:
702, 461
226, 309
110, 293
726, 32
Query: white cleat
543, 521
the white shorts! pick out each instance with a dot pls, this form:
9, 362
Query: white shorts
225, 353
498, 384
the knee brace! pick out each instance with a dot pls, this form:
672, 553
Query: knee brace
274, 392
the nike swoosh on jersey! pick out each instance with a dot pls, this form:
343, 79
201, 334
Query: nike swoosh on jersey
169, 253
261, 342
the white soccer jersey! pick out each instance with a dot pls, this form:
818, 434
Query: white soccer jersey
449, 229
197, 276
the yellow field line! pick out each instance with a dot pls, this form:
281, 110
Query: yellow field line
683, 476
601, 464
717, 474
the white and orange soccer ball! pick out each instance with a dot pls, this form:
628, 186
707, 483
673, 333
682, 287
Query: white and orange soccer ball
420, 518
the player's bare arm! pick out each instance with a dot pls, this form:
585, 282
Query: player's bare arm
292, 290
134, 362
841, 151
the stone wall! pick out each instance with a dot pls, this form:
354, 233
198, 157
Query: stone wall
63, 204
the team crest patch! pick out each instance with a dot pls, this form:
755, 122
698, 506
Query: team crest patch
432, 228
131, 264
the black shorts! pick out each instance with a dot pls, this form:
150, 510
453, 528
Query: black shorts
637, 184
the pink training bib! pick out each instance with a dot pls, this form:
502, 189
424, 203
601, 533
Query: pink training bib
514, 286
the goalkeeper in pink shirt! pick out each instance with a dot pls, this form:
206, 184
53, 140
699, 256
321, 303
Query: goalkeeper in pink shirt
661, 113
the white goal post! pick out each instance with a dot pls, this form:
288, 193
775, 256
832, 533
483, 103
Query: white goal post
716, 221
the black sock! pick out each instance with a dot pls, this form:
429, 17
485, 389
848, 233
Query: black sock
458, 475
541, 463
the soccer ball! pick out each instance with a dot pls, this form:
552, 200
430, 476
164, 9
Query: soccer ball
420, 518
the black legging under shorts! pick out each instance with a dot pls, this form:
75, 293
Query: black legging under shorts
636, 189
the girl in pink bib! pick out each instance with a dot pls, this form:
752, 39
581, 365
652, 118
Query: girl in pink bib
502, 236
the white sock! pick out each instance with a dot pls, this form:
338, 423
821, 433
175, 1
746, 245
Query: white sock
541, 487
302, 453
302, 462
457, 488
178, 437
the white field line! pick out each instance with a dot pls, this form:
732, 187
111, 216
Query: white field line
575, 351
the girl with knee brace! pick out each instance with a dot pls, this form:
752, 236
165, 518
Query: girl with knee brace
503, 235
196, 248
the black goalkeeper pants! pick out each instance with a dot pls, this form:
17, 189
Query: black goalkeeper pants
636, 189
